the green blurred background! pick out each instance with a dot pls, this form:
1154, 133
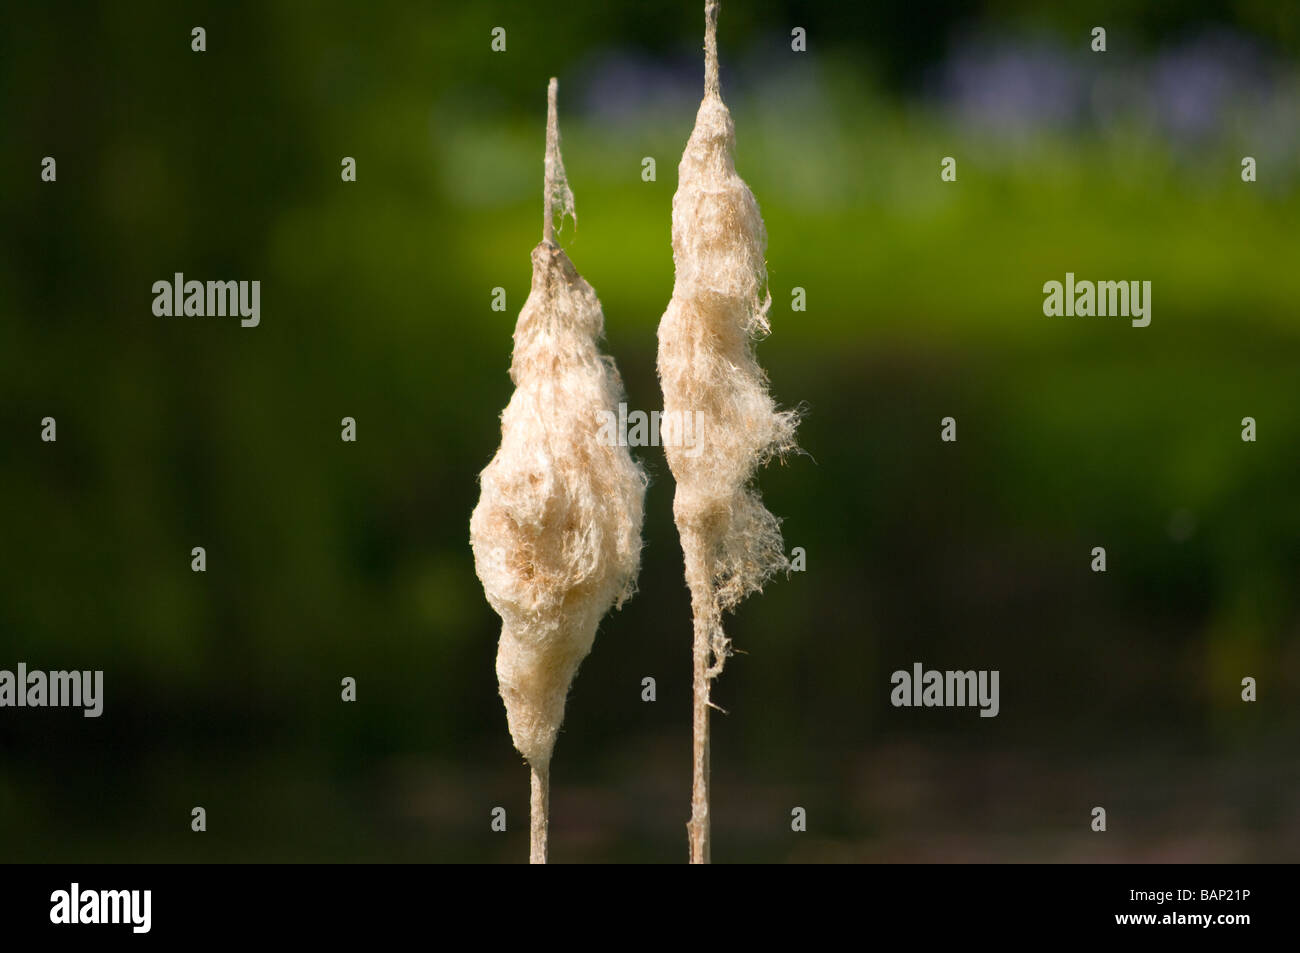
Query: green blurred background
328, 559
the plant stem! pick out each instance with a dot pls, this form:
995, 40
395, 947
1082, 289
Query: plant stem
539, 826
711, 86
698, 828
706, 620
551, 163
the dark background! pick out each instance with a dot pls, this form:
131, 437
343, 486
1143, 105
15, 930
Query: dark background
328, 559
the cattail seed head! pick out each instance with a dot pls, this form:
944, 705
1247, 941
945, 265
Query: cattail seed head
556, 534
719, 308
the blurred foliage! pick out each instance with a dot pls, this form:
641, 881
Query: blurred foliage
328, 559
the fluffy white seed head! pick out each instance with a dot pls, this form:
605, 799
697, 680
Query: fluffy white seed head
557, 531
707, 365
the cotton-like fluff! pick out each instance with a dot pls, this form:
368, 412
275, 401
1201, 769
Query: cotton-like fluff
707, 366
557, 531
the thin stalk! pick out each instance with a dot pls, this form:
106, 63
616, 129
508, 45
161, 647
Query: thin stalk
539, 821
706, 617
552, 163
711, 86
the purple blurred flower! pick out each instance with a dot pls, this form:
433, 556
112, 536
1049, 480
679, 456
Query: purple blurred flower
1193, 87
1008, 86
1189, 91
621, 87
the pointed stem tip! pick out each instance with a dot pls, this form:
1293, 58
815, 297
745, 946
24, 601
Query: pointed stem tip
551, 163
711, 48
